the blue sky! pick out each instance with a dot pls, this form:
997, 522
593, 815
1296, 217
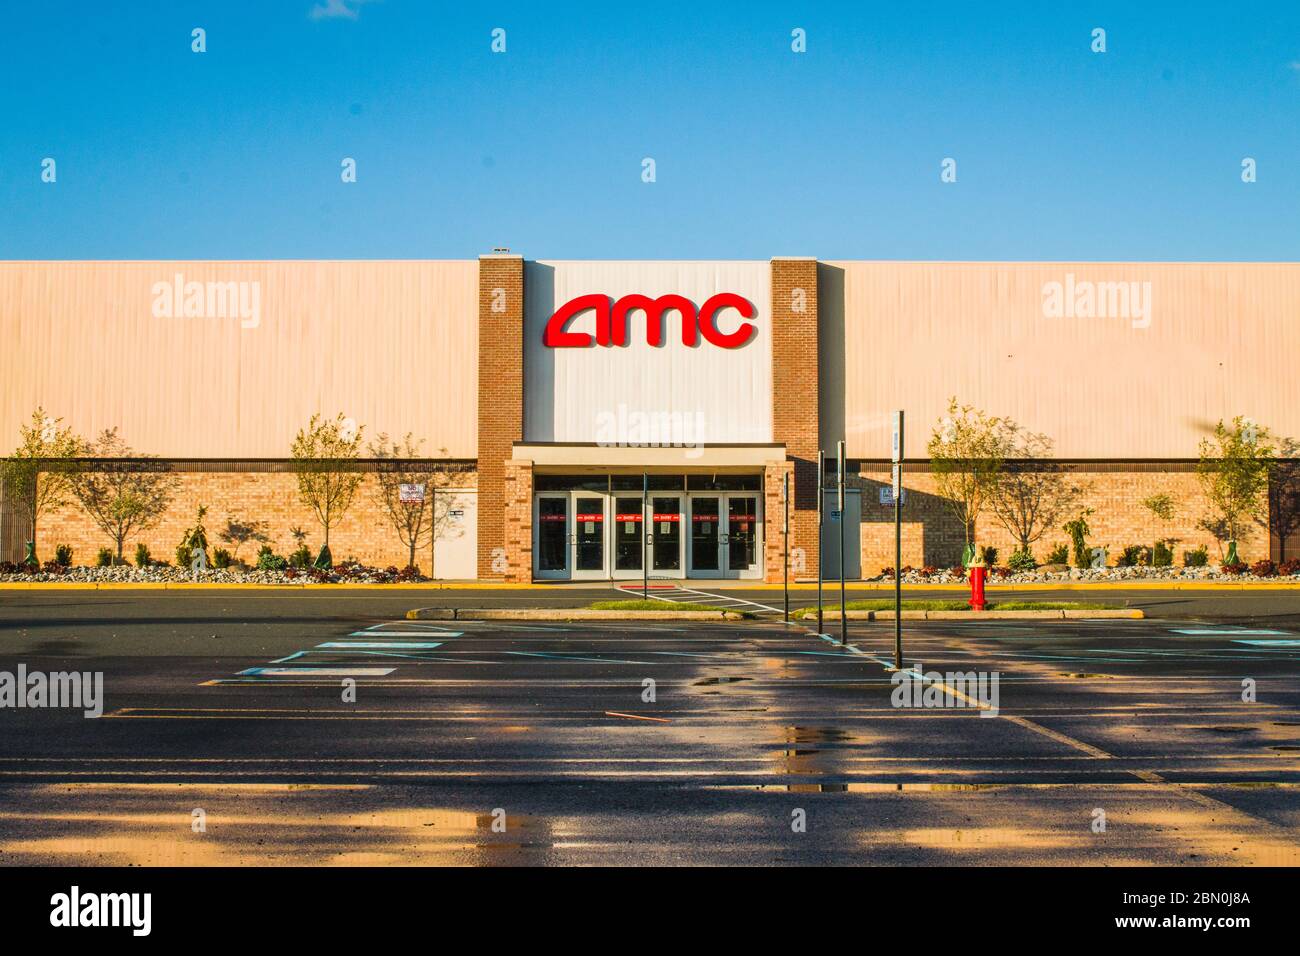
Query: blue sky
1061, 153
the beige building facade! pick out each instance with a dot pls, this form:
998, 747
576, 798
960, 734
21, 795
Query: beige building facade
605, 420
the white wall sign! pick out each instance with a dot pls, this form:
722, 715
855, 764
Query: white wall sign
639, 394
887, 496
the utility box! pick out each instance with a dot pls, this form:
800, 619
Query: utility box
852, 535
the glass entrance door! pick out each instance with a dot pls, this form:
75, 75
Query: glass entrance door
742, 535
666, 535
706, 536
551, 536
629, 545
588, 536
726, 536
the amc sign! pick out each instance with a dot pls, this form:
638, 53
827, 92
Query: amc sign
611, 322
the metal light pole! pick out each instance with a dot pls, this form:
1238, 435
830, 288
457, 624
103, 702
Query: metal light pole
898, 540
839, 483
785, 543
821, 517
645, 536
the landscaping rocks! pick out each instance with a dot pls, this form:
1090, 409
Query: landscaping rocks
163, 574
1060, 574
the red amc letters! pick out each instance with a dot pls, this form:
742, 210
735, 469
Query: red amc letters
611, 323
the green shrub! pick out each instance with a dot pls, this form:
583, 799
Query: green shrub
1196, 559
1163, 556
221, 558
194, 538
301, 557
63, 555
1022, 561
1078, 531
1134, 555
104, 558
268, 560
142, 557
989, 555
1059, 555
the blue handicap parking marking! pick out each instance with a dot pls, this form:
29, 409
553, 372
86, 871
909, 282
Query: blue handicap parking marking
413, 645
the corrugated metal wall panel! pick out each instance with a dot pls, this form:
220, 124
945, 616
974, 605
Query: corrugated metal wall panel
1222, 341
391, 344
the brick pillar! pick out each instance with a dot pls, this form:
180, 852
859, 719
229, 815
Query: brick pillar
774, 473
795, 389
500, 398
518, 513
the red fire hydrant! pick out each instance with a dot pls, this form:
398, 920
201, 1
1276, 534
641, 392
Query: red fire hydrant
977, 572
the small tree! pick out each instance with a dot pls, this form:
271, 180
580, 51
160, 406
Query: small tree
194, 539
966, 456
1284, 494
37, 477
325, 460
1234, 470
122, 497
1033, 493
1216, 528
238, 532
1162, 507
417, 522
1078, 531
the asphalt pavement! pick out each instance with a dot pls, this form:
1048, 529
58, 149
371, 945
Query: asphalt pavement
1115, 742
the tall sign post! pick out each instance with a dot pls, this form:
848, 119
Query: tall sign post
821, 518
785, 542
645, 536
839, 485
898, 539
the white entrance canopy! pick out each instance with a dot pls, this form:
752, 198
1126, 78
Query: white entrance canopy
698, 458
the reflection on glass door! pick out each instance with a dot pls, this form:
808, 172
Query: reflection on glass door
666, 515
589, 536
706, 516
552, 534
742, 533
629, 548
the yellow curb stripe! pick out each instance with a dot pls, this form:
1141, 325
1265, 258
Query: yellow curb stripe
747, 586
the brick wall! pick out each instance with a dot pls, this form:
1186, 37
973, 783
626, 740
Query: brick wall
365, 532
795, 391
933, 536
518, 520
773, 518
500, 397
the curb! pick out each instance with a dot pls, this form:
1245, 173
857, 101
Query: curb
549, 586
1073, 586
203, 586
1051, 615
562, 614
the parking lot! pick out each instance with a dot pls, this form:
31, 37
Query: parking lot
754, 742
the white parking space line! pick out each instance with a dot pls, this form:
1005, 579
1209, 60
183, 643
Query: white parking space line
383, 645
1221, 631
681, 595
319, 671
